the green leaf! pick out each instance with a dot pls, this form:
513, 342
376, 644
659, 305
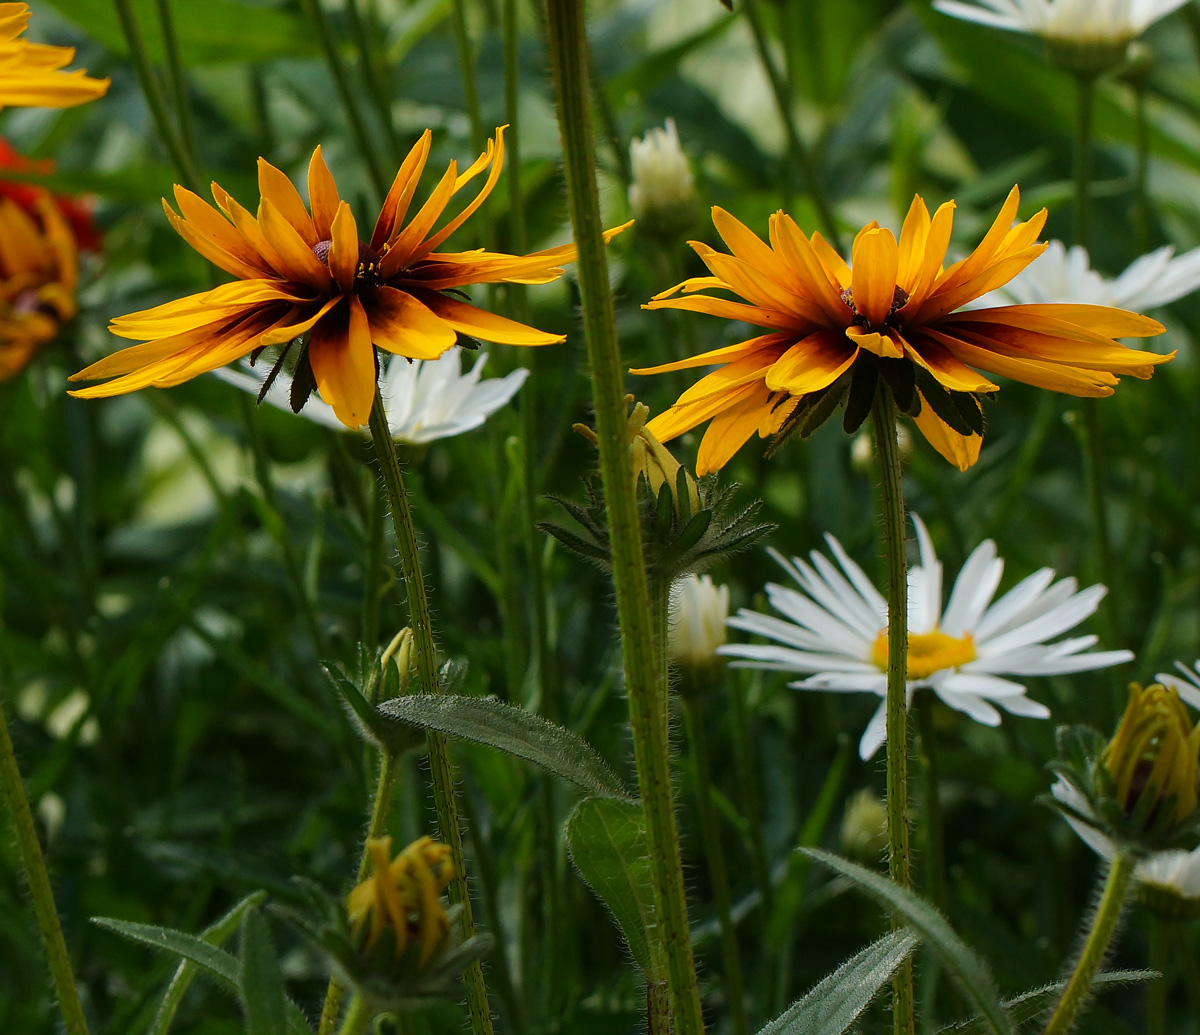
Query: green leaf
263, 997
607, 841
216, 961
971, 973
1034, 1003
485, 720
832, 1004
182, 981
214, 32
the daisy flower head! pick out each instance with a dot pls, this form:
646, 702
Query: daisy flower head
306, 278
427, 399
1078, 21
1064, 275
38, 275
1188, 687
894, 316
834, 630
31, 73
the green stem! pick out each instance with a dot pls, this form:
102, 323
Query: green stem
716, 862
178, 82
1104, 925
1156, 991
1141, 194
466, 69
935, 840
155, 100
367, 32
1085, 96
356, 1017
643, 679
372, 589
426, 656
883, 414
798, 153
34, 865
341, 81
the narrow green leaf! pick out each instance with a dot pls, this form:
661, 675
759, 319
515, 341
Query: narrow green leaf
607, 841
1036, 1002
216, 961
963, 963
215, 935
833, 1004
485, 720
263, 998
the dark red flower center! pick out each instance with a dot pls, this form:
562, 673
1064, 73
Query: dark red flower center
367, 269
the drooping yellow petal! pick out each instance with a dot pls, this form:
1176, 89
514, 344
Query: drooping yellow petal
403, 324
343, 362
725, 355
481, 324
961, 450
731, 428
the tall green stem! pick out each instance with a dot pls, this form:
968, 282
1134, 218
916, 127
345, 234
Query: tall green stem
935, 841
155, 99
34, 865
643, 679
1085, 96
1104, 925
798, 154
1156, 990
1141, 194
883, 414
427, 674
711, 833
178, 82
341, 81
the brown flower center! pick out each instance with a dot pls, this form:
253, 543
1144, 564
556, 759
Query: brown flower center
899, 299
367, 267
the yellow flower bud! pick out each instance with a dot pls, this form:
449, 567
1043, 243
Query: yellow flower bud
652, 459
402, 895
1156, 751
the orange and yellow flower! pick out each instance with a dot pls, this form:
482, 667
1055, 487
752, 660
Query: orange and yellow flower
304, 271
30, 73
894, 314
38, 273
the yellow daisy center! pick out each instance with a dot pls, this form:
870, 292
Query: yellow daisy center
927, 652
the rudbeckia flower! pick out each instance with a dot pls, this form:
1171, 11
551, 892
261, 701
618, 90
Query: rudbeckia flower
38, 272
835, 630
894, 313
76, 210
306, 273
29, 72
426, 399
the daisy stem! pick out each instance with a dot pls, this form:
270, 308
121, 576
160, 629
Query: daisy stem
1103, 926
427, 674
935, 842
644, 677
155, 99
891, 491
710, 831
1141, 195
34, 865
341, 81
798, 153
1085, 96
1156, 992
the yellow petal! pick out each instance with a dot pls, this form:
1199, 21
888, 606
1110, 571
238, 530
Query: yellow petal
343, 362
322, 196
273, 185
873, 278
811, 364
481, 324
402, 324
960, 450
343, 249
400, 194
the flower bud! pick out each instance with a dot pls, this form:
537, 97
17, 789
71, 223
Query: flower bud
654, 461
864, 827
1153, 760
698, 611
662, 189
396, 914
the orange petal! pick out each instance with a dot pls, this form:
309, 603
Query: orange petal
804, 262
873, 278
481, 324
494, 155
273, 185
343, 248
403, 324
406, 243
812, 364
400, 194
725, 355
343, 362
730, 429
762, 289
835, 265
322, 196
297, 262
729, 310
961, 450
678, 419
744, 242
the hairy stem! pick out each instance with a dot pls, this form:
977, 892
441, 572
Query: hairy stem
644, 678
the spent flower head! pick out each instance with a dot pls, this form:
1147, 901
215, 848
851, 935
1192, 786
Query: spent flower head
835, 331
31, 73
834, 630
307, 279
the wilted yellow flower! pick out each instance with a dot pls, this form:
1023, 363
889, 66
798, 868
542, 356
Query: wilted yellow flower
1156, 751
38, 273
402, 895
30, 73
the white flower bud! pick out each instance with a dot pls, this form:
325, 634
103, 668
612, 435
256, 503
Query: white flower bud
697, 626
662, 187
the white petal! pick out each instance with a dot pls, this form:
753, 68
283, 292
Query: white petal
1012, 603
977, 708
973, 590
875, 734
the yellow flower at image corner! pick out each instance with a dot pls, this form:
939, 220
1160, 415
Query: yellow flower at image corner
38, 272
304, 270
1156, 749
894, 313
30, 73
403, 894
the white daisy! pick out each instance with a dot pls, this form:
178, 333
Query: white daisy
426, 399
836, 629
1188, 688
1062, 275
1175, 870
1084, 21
